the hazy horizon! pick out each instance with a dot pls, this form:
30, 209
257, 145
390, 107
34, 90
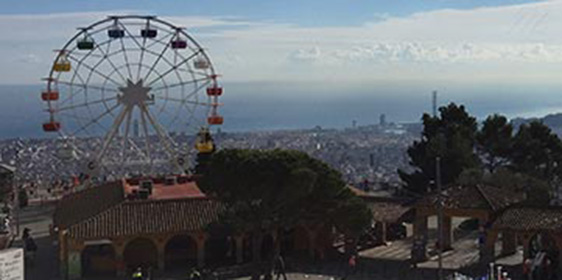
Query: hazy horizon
273, 105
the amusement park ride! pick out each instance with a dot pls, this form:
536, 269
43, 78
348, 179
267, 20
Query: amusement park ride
126, 68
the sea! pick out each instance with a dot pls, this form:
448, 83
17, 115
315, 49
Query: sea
251, 106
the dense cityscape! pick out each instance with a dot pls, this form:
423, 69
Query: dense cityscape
364, 155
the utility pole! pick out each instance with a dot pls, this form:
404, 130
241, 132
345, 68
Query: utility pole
439, 199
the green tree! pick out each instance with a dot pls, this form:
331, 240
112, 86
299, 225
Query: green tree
494, 142
270, 190
537, 151
450, 136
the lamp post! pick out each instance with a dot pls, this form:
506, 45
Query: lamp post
439, 201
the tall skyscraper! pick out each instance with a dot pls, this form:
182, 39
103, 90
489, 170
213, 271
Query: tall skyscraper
382, 120
136, 128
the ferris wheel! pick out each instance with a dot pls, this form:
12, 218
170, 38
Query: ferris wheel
131, 90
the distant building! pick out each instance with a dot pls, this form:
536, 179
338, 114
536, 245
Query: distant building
382, 120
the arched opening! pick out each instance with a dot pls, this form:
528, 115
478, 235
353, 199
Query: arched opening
294, 242
98, 260
140, 252
247, 248
180, 252
267, 247
544, 254
220, 251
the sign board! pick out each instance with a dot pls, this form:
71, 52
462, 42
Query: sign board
12, 264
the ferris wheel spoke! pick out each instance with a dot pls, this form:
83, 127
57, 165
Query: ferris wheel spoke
74, 106
193, 92
151, 69
193, 72
183, 84
183, 101
126, 135
146, 138
164, 40
108, 58
112, 132
81, 88
130, 34
160, 77
164, 138
96, 71
126, 57
96, 119
141, 58
85, 86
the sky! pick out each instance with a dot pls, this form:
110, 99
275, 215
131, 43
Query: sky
336, 41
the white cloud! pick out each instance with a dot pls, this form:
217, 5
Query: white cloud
504, 43
307, 55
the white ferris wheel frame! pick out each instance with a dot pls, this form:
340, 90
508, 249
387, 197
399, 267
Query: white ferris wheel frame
122, 110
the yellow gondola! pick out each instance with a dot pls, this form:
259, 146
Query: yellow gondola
62, 64
204, 142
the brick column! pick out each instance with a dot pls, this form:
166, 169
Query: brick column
311, 243
487, 249
74, 264
526, 240
447, 233
200, 240
120, 266
383, 232
419, 247
239, 243
509, 243
161, 252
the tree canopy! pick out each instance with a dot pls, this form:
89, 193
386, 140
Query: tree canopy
494, 142
451, 136
530, 159
266, 190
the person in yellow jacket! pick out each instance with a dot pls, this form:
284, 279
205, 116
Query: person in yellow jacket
137, 274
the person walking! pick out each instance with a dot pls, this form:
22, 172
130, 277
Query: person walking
29, 246
195, 274
351, 266
281, 268
137, 274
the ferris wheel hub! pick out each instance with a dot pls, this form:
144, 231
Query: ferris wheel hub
134, 94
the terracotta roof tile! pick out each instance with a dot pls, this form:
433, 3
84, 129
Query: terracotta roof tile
78, 206
149, 216
529, 219
475, 197
388, 212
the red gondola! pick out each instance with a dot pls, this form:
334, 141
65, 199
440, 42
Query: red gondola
50, 95
51, 126
215, 120
214, 91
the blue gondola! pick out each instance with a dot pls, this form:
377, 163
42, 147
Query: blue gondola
179, 44
116, 33
149, 33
